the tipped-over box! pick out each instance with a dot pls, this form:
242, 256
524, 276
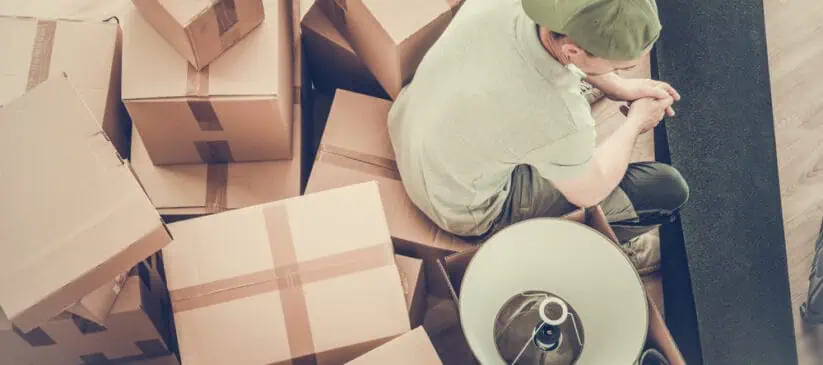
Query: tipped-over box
323, 43
136, 332
356, 148
201, 31
390, 36
76, 215
237, 109
413, 278
413, 348
89, 52
311, 278
96, 305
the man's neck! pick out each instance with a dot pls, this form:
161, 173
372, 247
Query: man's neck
552, 45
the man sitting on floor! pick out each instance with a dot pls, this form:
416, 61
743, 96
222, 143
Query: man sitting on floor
494, 129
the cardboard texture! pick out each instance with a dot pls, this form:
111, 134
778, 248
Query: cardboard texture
237, 109
80, 217
413, 278
658, 335
313, 278
389, 36
324, 42
199, 189
413, 348
135, 333
201, 31
356, 148
89, 52
96, 305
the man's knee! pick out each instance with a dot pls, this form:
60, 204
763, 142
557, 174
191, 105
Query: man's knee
672, 188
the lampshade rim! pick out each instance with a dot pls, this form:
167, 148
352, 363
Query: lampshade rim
614, 245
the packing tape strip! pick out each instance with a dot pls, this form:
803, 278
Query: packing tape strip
360, 156
213, 152
225, 13
204, 114
41, 53
287, 276
197, 81
217, 182
352, 163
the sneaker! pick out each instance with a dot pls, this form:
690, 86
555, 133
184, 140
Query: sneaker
591, 93
652, 357
644, 253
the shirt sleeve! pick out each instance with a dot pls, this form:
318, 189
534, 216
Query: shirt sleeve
565, 158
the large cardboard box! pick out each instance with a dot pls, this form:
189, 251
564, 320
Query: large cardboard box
312, 278
413, 278
413, 348
237, 109
96, 305
202, 30
390, 36
324, 42
89, 52
75, 215
136, 332
356, 148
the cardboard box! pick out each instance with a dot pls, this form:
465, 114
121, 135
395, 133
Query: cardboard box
658, 335
356, 148
413, 278
237, 109
192, 190
134, 334
413, 348
390, 36
311, 277
76, 215
89, 52
324, 42
201, 31
96, 305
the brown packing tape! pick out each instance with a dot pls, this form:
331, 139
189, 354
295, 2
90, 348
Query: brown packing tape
41, 53
197, 81
352, 164
217, 184
214, 152
225, 11
385, 163
204, 114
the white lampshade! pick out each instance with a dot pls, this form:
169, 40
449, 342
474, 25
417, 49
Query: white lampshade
575, 265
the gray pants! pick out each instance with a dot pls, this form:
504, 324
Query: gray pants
649, 195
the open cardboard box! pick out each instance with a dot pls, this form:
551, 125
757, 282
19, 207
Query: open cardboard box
453, 267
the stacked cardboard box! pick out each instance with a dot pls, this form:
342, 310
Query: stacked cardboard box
312, 278
413, 348
137, 331
356, 148
264, 63
382, 40
79, 216
89, 52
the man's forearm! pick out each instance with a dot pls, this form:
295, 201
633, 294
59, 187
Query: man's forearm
614, 155
608, 83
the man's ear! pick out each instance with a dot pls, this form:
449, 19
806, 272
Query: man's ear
572, 50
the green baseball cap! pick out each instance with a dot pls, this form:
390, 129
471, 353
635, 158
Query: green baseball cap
617, 30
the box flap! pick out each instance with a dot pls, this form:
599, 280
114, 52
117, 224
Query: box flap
241, 268
96, 305
401, 19
413, 279
43, 48
153, 69
413, 348
80, 217
201, 188
315, 20
184, 11
357, 127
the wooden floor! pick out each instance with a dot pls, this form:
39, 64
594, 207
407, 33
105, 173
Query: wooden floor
795, 41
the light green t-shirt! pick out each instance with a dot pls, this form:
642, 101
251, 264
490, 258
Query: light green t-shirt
486, 98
